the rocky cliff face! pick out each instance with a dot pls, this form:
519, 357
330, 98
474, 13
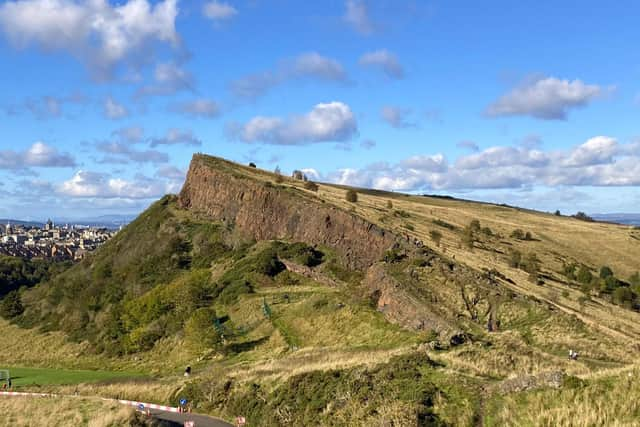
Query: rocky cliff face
266, 212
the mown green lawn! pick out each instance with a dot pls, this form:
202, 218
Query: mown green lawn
22, 377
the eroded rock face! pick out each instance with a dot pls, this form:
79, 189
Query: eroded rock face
265, 212
552, 379
401, 307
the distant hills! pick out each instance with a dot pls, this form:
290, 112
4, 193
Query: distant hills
620, 218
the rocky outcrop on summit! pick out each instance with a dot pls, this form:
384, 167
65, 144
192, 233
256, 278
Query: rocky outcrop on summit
266, 212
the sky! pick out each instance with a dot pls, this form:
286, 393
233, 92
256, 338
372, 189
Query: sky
102, 103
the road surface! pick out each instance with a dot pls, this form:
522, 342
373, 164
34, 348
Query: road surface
174, 419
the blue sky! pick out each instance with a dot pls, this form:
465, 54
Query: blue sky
102, 104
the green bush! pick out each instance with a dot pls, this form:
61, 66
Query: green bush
11, 306
584, 275
605, 272
200, 331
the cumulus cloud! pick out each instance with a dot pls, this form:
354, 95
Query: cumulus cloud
202, 108
86, 184
38, 155
357, 16
385, 60
176, 137
170, 78
100, 34
218, 11
396, 116
114, 110
329, 122
600, 161
547, 98
310, 65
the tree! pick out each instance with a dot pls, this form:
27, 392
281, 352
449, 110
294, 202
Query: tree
623, 296
436, 236
557, 213
252, 165
584, 275
278, 173
351, 196
583, 217
310, 185
11, 306
605, 272
200, 330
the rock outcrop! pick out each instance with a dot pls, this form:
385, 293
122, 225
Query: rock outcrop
263, 212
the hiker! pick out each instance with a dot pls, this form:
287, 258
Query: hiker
187, 372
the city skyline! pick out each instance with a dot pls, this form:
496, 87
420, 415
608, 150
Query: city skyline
104, 103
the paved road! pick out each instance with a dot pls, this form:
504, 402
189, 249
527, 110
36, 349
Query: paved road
174, 419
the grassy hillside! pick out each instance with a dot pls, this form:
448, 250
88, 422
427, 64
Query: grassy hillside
282, 332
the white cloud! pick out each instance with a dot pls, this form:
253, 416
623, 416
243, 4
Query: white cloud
546, 98
330, 122
309, 65
384, 60
176, 136
600, 161
357, 16
114, 110
396, 116
170, 78
86, 184
100, 34
219, 11
203, 108
38, 155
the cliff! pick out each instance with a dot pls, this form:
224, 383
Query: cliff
220, 191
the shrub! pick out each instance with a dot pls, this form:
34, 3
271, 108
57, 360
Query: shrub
569, 271
409, 227
584, 275
468, 238
11, 305
623, 296
487, 231
393, 255
351, 196
278, 179
252, 165
474, 225
528, 236
436, 236
389, 204
310, 185
557, 213
634, 280
444, 224
518, 234
402, 214
583, 217
200, 331
605, 272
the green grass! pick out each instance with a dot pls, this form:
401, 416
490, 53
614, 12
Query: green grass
26, 377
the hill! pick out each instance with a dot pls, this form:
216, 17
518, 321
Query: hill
294, 305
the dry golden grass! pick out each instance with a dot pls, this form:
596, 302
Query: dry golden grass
610, 401
63, 412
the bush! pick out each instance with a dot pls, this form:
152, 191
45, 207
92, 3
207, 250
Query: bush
351, 196
11, 305
393, 255
634, 280
389, 204
584, 275
200, 331
487, 231
278, 179
517, 234
436, 236
474, 225
468, 238
605, 272
402, 214
409, 227
623, 296
557, 213
310, 185
583, 217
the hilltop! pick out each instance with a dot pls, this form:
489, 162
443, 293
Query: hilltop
295, 305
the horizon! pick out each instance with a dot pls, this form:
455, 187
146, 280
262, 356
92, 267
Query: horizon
479, 102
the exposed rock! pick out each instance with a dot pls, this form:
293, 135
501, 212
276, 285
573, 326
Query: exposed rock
551, 379
266, 212
401, 307
309, 272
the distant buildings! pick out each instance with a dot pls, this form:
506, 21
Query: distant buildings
51, 242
